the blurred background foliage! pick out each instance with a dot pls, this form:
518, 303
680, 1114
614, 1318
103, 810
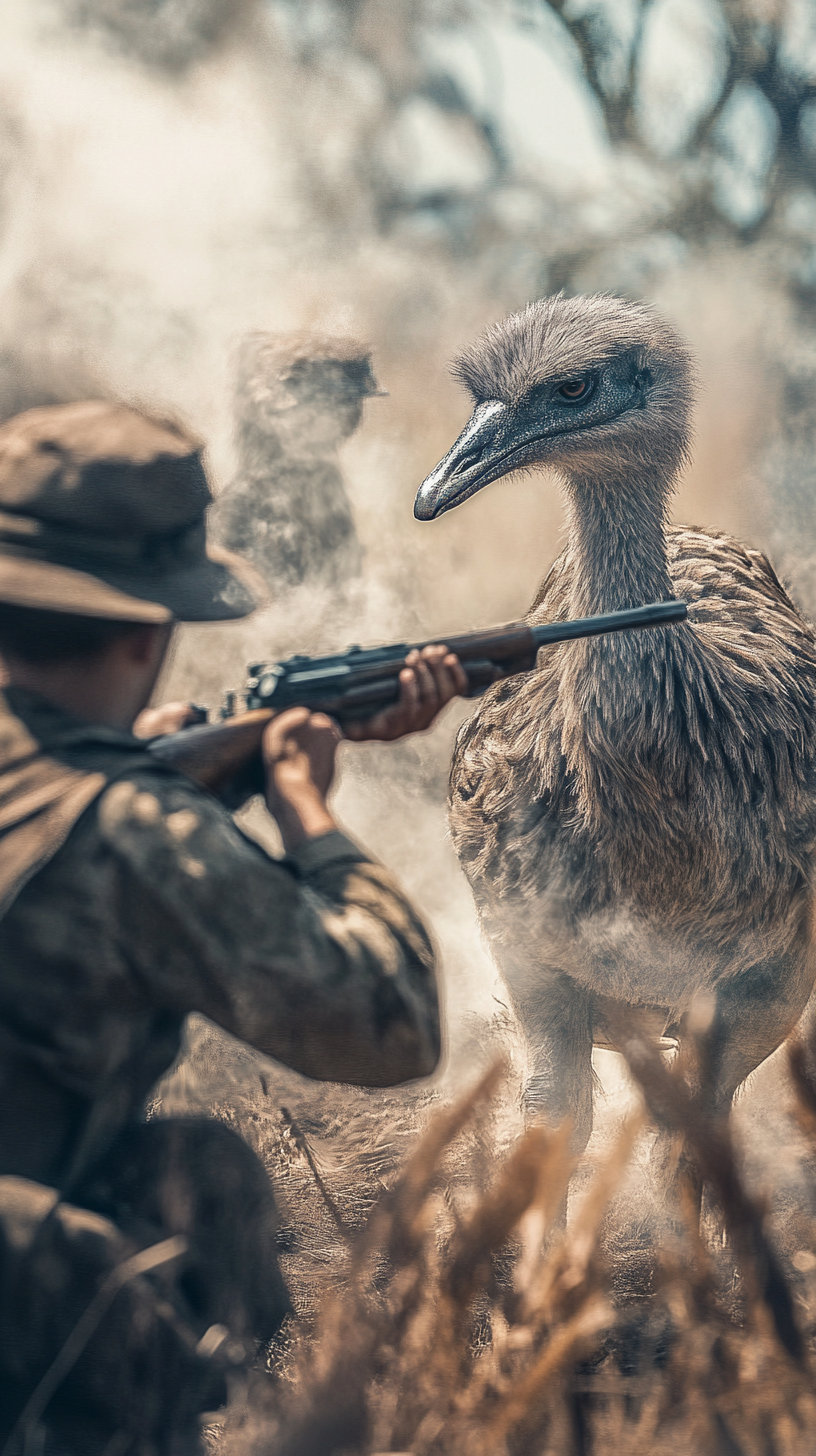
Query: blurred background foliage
702, 112
583, 146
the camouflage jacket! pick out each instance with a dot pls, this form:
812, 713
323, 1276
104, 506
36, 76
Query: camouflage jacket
156, 905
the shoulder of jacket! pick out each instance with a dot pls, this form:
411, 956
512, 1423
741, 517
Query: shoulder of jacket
164, 827
146, 793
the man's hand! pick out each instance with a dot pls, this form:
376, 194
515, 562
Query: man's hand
428, 681
299, 750
169, 718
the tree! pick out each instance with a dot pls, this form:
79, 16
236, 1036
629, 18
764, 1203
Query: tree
708, 111
705, 111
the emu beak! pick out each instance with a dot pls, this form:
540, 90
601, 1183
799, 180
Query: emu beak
469, 464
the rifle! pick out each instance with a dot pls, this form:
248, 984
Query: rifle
224, 756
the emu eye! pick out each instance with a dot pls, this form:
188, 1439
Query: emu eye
573, 389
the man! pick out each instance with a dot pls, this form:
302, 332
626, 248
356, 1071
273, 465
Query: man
137, 1259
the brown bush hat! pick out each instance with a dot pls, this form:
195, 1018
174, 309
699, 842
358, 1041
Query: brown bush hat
102, 514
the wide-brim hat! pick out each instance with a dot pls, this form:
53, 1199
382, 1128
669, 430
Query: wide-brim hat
102, 514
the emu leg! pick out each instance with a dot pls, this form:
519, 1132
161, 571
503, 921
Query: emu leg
556, 1018
755, 1013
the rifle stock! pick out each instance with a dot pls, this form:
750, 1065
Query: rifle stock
225, 756
216, 755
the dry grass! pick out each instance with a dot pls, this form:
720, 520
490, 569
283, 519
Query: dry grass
469, 1319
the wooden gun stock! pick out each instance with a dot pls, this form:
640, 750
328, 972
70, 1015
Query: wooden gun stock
222, 757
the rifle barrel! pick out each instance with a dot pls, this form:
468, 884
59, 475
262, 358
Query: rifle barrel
656, 614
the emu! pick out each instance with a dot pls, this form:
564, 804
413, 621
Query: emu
636, 818
298, 396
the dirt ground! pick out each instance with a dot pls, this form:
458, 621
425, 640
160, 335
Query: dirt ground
331, 1151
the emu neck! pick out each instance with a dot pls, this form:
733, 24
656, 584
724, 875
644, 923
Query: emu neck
614, 730
617, 541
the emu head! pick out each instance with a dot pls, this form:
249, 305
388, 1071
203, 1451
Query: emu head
595, 387
305, 389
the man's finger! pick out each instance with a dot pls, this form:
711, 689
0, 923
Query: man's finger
169, 718
443, 679
449, 676
291, 719
457, 672
426, 681
451, 683
410, 693
324, 725
278, 735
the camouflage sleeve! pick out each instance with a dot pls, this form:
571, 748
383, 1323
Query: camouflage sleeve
319, 961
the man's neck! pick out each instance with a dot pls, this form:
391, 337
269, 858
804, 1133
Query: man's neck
73, 693
109, 689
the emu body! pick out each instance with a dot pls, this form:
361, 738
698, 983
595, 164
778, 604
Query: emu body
637, 818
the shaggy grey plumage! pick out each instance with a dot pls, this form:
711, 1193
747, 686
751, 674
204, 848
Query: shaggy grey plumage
298, 396
637, 817
539, 344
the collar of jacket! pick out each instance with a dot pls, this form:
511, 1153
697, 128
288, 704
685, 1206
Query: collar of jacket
52, 767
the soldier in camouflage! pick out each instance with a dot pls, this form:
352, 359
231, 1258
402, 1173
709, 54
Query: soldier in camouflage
137, 1258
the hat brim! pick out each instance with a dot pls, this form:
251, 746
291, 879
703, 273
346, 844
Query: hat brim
220, 588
